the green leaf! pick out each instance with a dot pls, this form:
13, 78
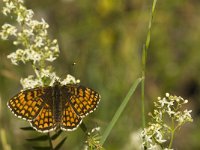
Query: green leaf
41, 148
60, 144
53, 137
27, 128
83, 127
119, 111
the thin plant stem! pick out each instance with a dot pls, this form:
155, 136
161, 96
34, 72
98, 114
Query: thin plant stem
142, 100
144, 57
172, 134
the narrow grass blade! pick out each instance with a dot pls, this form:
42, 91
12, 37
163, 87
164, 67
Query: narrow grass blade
3, 140
39, 138
119, 111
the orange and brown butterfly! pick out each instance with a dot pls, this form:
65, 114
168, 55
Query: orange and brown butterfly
54, 107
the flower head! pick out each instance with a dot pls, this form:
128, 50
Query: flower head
159, 129
93, 140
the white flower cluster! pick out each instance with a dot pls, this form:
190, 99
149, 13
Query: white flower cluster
31, 81
171, 105
31, 35
159, 130
153, 136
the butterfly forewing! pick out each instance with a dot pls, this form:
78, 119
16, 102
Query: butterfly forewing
83, 100
27, 104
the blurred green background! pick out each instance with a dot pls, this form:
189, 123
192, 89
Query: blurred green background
104, 38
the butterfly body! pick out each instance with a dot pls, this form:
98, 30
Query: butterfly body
57, 103
53, 107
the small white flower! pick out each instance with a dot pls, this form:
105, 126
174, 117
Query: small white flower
163, 102
13, 58
95, 129
19, 51
30, 82
55, 41
180, 119
28, 32
51, 58
46, 73
5, 11
177, 99
8, 30
167, 95
44, 24
170, 112
170, 103
20, 1
147, 138
69, 79
153, 147
31, 55
21, 14
5, 1
9, 6
187, 113
39, 41
159, 137
29, 15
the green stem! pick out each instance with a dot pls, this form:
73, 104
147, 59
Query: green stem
142, 99
144, 57
172, 134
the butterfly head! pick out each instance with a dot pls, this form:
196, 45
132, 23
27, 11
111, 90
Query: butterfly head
56, 82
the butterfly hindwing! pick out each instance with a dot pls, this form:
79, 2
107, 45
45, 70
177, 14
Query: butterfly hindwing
44, 122
69, 120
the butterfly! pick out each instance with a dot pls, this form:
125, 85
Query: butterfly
54, 107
